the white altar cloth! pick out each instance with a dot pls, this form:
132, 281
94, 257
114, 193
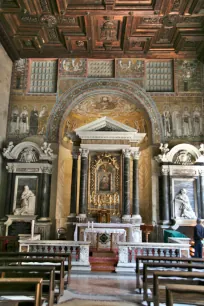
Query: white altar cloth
109, 231
104, 226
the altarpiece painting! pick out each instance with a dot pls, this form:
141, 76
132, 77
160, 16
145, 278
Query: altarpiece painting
104, 191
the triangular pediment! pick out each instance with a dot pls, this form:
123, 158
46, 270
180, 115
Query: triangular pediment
109, 129
106, 124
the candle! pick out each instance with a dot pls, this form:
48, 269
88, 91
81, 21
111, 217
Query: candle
92, 225
88, 224
32, 228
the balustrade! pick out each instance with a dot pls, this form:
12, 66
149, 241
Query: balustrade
127, 252
79, 250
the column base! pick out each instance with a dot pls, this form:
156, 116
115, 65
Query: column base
81, 218
126, 218
44, 219
136, 219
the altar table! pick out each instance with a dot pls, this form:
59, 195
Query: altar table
109, 231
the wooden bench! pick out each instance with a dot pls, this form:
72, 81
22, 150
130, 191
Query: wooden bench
28, 287
66, 256
158, 291
189, 293
58, 263
164, 266
47, 273
142, 259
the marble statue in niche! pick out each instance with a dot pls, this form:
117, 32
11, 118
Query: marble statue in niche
27, 203
34, 121
23, 121
185, 208
42, 120
14, 121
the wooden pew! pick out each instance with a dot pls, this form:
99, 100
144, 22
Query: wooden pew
166, 266
66, 256
188, 292
26, 287
158, 295
47, 273
58, 263
141, 259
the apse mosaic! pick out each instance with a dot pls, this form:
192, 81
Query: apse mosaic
105, 105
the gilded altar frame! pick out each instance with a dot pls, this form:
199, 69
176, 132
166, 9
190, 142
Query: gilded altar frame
104, 192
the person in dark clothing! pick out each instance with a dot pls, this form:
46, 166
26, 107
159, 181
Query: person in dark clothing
198, 236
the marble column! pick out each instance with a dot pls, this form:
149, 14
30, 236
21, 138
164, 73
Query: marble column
201, 171
45, 196
75, 155
83, 183
135, 187
8, 208
164, 195
126, 185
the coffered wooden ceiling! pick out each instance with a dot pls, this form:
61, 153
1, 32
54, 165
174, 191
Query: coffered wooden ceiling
102, 28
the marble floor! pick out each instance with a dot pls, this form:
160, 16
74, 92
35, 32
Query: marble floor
100, 289
110, 289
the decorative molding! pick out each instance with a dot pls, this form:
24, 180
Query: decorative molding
29, 152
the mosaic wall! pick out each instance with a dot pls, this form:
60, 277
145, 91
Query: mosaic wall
182, 117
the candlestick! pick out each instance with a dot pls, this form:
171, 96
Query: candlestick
88, 224
92, 225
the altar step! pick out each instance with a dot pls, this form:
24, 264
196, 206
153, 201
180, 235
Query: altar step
103, 261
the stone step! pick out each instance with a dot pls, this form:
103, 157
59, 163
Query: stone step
103, 254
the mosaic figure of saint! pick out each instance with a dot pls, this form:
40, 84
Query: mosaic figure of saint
14, 122
34, 121
42, 121
197, 122
186, 122
167, 123
23, 122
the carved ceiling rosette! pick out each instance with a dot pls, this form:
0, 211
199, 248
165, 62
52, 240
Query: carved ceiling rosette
105, 183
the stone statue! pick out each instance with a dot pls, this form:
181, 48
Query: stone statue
27, 203
46, 149
8, 149
183, 201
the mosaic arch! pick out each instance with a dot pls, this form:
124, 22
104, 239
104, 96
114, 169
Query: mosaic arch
125, 89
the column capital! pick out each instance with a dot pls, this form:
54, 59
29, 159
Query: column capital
127, 152
47, 169
75, 154
136, 154
164, 171
84, 152
201, 172
10, 168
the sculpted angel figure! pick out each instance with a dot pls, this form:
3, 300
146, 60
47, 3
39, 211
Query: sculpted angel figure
46, 149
